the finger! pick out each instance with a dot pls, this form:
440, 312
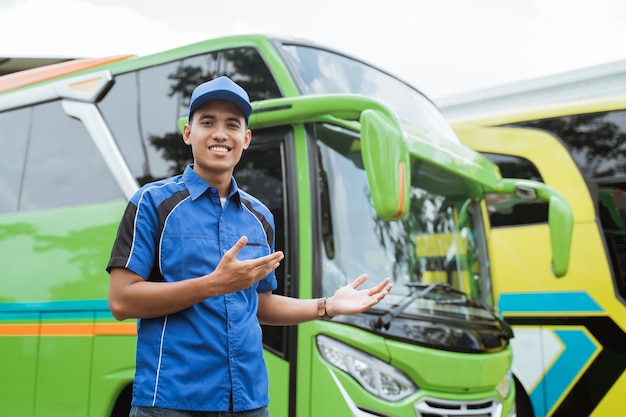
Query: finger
272, 257
273, 260
358, 281
237, 247
385, 291
380, 287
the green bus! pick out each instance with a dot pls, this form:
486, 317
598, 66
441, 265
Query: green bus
358, 168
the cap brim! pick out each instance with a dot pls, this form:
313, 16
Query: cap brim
226, 95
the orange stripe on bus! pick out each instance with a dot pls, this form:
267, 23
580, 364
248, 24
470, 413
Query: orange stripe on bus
19, 330
400, 190
34, 75
113, 328
59, 329
68, 329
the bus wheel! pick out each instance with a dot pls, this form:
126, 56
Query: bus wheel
522, 402
122, 405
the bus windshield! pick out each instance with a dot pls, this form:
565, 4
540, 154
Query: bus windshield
320, 71
440, 241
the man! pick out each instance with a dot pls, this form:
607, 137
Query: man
194, 260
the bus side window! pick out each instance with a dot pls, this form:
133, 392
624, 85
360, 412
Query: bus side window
13, 142
511, 211
63, 167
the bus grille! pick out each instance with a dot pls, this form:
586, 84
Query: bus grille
429, 407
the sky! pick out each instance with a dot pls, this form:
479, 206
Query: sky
443, 47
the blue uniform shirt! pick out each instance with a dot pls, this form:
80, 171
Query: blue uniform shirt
176, 229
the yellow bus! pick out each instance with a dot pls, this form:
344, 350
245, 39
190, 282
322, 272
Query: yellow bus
569, 347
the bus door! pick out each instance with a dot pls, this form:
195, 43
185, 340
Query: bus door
262, 172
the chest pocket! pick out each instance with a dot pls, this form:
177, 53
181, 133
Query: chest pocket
253, 249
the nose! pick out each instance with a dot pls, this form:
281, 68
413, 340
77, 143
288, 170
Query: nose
219, 133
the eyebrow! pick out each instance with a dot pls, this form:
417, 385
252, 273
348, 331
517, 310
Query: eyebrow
210, 116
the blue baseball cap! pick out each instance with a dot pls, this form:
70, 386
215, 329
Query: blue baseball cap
221, 88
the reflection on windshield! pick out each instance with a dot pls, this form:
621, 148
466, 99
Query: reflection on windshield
323, 72
440, 241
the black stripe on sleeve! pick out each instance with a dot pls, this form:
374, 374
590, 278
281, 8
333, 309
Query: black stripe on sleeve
269, 232
124, 239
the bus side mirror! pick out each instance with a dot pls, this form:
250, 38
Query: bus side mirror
387, 163
561, 222
560, 217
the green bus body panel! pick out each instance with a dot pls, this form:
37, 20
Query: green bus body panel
278, 390
436, 370
72, 246
55, 379
18, 392
463, 377
112, 369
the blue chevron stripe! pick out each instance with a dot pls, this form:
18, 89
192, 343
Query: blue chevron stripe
548, 302
579, 349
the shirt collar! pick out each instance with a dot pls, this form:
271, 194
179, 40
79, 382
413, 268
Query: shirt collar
198, 186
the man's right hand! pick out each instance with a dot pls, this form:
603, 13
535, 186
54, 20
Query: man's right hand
233, 275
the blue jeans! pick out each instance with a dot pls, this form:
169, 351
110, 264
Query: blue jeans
164, 412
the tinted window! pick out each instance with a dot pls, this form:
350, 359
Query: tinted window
509, 210
143, 106
140, 112
54, 161
596, 141
13, 142
514, 167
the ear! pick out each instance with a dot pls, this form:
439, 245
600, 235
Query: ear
247, 139
186, 133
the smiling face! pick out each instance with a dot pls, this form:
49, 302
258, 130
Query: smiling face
218, 135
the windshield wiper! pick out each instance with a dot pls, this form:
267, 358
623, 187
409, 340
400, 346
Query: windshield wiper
464, 301
384, 320
507, 331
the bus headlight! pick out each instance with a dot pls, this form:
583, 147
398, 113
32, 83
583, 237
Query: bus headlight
376, 376
504, 386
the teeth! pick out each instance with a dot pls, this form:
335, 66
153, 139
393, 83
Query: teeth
219, 148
